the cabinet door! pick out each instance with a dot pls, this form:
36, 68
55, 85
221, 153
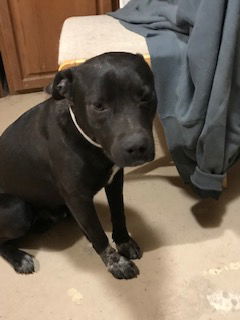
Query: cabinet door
29, 35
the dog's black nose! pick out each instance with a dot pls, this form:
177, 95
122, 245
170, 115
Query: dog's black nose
133, 150
136, 146
136, 149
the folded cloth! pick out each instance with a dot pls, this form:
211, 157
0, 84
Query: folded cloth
195, 55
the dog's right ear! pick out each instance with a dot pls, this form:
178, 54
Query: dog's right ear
62, 84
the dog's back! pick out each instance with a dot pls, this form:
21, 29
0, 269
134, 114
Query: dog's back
24, 166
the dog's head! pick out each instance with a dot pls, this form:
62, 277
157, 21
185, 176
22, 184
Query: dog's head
114, 101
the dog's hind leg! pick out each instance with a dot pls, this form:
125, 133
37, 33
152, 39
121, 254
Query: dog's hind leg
46, 218
15, 221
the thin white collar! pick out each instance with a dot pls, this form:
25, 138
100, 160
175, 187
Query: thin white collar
81, 131
115, 169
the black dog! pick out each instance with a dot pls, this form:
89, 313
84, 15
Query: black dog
60, 153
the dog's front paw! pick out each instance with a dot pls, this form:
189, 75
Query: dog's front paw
24, 263
122, 268
129, 249
119, 266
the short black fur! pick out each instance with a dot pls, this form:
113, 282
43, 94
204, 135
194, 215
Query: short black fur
47, 165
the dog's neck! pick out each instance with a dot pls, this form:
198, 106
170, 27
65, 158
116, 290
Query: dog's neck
81, 131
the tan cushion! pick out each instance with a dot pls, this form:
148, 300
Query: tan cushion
88, 36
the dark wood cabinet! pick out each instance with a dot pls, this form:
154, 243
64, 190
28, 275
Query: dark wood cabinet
29, 35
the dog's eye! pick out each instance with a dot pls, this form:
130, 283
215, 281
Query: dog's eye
145, 95
99, 107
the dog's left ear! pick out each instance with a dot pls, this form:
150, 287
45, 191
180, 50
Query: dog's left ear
62, 84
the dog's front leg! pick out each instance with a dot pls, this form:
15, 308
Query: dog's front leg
125, 244
85, 214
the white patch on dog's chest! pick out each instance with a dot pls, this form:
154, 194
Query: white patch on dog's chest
115, 169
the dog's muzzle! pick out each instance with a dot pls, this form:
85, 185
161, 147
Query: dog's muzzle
133, 150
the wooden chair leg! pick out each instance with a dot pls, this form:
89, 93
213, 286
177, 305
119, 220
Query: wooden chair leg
225, 182
161, 139
1, 90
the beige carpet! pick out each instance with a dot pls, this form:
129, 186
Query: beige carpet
190, 269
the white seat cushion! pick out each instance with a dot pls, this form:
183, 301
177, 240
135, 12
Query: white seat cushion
88, 36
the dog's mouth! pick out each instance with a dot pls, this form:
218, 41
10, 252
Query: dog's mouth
122, 162
136, 163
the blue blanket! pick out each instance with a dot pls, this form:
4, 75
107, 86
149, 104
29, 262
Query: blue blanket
195, 55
